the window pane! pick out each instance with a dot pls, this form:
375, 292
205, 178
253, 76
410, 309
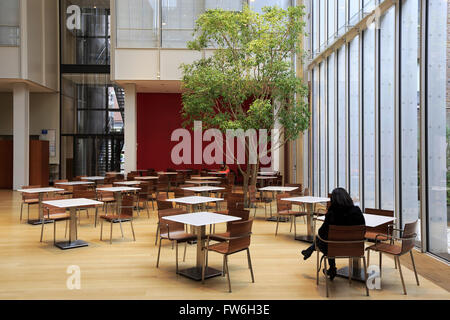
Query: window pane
257, 5
369, 116
342, 120
438, 130
331, 123
354, 118
331, 20
353, 11
9, 22
315, 28
229, 5
322, 24
341, 17
322, 126
315, 132
409, 104
387, 113
137, 23
178, 21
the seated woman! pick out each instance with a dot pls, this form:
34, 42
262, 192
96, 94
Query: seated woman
342, 212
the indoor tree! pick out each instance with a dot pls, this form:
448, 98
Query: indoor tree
249, 81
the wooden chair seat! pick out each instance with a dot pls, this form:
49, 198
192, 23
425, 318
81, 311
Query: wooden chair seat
221, 247
290, 213
108, 199
179, 236
220, 236
31, 201
222, 212
57, 216
386, 248
114, 218
370, 235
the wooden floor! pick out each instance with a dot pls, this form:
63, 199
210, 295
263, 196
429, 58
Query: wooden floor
126, 269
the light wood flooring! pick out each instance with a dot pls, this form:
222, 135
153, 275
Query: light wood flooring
127, 270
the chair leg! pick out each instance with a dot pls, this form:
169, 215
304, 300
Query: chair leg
110, 236
176, 257
54, 232
132, 230
401, 274
292, 222
159, 252
381, 255
278, 221
157, 233
250, 264
101, 230
317, 268
224, 271
228, 273
326, 277
295, 226
365, 275
414, 267
42, 230
350, 270
185, 247
121, 229
21, 209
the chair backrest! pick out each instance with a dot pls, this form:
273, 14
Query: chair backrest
381, 228
346, 233
409, 231
173, 226
179, 193
235, 201
306, 192
243, 214
27, 196
283, 205
126, 207
48, 209
242, 231
104, 194
187, 185
163, 179
296, 192
163, 204
144, 185
88, 194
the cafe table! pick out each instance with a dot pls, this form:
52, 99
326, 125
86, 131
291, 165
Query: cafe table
40, 192
117, 191
95, 179
195, 201
203, 190
166, 173
72, 205
199, 221
203, 178
372, 220
310, 202
267, 173
277, 189
144, 178
128, 183
203, 182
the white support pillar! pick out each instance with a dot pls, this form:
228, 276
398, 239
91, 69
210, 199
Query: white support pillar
21, 132
130, 125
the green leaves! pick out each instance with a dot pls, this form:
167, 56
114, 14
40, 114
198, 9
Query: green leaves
252, 63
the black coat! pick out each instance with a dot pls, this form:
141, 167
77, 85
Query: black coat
341, 217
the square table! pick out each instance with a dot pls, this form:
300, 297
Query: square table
204, 178
310, 201
203, 190
118, 193
199, 221
202, 182
74, 183
96, 179
72, 205
194, 201
277, 189
166, 173
146, 178
267, 173
40, 192
128, 183
372, 220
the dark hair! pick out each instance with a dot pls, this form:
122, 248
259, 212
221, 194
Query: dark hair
341, 198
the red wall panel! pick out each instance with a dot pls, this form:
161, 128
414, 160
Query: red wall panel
158, 115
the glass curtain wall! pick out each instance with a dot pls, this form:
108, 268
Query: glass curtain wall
387, 98
322, 131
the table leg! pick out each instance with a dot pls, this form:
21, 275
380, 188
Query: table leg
357, 271
195, 273
36, 222
73, 241
309, 237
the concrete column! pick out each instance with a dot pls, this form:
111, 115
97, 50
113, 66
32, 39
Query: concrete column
21, 133
130, 128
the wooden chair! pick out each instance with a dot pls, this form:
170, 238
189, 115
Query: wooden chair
87, 194
234, 201
384, 229
125, 215
237, 241
163, 185
142, 197
284, 209
173, 231
54, 214
29, 199
254, 200
241, 213
407, 238
161, 205
344, 242
179, 179
106, 197
67, 189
